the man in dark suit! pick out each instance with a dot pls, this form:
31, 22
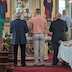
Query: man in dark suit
58, 27
19, 28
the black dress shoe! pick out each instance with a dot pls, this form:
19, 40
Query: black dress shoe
54, 64
23, 65
66, 64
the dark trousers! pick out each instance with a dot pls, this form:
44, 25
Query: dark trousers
56, 48
23, 47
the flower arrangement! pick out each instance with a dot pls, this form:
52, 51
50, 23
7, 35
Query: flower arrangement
6, 42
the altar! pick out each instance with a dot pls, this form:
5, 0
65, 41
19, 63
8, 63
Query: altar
65, 52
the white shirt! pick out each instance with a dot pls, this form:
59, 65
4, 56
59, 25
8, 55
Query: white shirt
68, 20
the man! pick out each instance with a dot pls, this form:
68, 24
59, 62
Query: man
58, 27
68, 20
38, 25
19, 28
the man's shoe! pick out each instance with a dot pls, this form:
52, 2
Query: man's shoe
23, 65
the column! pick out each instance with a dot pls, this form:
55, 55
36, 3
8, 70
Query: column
42, 8
56, 6
8, 9
13, 6
30, 7
37, 3
53, 12
68, 7
33, 7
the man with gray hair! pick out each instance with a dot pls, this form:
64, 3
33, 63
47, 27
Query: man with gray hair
68, 20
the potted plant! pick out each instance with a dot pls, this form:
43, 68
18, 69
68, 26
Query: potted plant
7, 42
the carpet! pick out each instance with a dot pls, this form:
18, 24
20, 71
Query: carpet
42, 69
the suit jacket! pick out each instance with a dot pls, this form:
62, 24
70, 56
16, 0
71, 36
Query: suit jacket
18, 28
58, 28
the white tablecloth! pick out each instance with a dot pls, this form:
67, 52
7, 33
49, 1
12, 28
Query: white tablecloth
65, 52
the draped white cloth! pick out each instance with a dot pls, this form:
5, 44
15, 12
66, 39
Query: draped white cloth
65, 52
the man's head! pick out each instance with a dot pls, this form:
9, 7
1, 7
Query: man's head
64, 12
58, 15
18, 15
38, 12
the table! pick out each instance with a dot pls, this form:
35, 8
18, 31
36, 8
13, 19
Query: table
65, 52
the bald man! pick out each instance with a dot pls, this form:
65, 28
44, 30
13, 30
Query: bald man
58, 27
